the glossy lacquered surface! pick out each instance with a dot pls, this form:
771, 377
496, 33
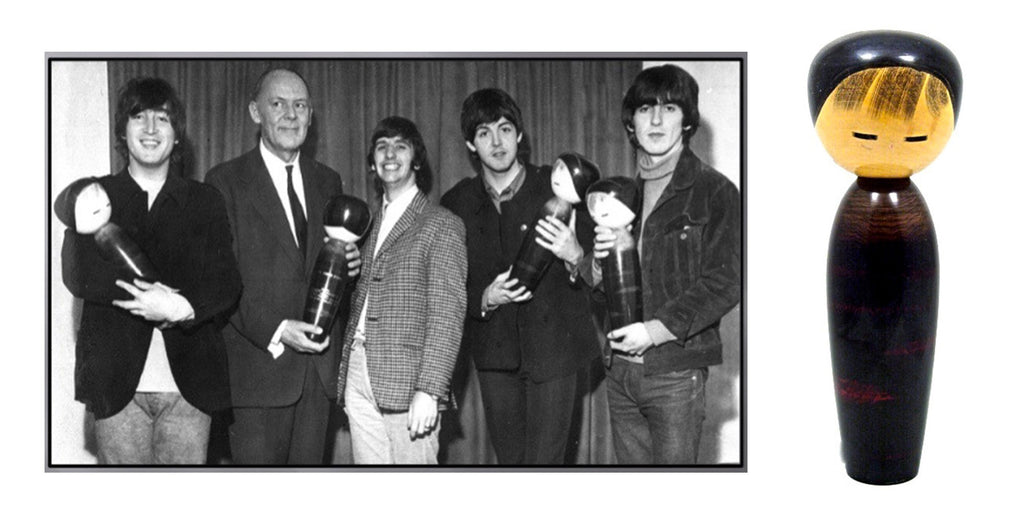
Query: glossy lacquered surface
621, 272
533, 260
883, 289
118, 248
326, 287
349, 218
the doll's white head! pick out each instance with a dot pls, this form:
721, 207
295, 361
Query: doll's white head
92, 209
608, 211
562, 184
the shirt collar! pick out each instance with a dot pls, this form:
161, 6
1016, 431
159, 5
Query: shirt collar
510, 191
274, 164
400, 203
172, 187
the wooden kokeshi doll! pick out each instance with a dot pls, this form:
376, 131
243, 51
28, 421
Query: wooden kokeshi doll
347, 220
884, 104
571, 176
614, 203
84, 206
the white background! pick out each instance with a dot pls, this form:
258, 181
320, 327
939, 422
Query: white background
971, 470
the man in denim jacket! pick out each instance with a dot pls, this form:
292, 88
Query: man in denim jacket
688, 238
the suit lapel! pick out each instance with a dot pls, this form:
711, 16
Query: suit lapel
316, 200
404, 222
367, 258
265, 201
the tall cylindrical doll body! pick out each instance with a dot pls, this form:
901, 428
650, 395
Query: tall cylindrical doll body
883, 294
613, 203
621, 281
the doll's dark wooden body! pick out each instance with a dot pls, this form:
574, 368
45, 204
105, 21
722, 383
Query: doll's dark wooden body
883, 289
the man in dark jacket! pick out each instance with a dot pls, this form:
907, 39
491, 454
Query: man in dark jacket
149, 359
688, 234
527, 347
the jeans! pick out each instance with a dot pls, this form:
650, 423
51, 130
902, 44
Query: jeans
655, 419
154, 429
381, 438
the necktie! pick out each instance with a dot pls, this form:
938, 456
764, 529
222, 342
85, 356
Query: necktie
297, 216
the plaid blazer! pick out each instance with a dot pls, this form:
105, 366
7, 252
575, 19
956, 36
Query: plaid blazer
416, 288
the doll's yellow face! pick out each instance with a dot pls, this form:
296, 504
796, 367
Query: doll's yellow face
886, 122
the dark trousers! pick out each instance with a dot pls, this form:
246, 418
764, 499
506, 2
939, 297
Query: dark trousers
289, 435
528, 422
656, 419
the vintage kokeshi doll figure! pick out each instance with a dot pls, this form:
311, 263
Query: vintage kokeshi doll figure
884, 104
614, 203
85, 207
571, 175
346, 220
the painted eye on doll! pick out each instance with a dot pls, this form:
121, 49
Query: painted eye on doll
906, 113
608, 211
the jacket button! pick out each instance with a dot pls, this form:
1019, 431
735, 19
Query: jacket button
523, 227
682, 236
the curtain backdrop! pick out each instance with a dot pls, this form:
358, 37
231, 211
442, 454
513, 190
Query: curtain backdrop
567, 106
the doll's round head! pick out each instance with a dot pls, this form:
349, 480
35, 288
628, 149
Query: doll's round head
613, 202
884, 103
83, 206
572, 175
346, 218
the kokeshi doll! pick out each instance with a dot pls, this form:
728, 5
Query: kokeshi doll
346, 220
571, 175
85, 207
884, 104
614, 203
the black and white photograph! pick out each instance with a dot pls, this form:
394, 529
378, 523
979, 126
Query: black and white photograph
476, 261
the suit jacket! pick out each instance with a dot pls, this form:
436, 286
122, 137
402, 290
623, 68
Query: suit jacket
416, 288
548, 337
275, 279
186, 237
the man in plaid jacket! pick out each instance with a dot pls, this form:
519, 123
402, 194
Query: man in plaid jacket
405, 327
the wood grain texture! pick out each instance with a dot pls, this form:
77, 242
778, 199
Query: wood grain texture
883, 307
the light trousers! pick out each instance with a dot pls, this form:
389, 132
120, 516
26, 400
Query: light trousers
381, 438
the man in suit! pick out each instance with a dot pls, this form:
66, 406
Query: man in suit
282, 383
403, 334
149, 359
527, 347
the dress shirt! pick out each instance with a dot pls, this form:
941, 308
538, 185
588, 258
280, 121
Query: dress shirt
509, 192
279, 177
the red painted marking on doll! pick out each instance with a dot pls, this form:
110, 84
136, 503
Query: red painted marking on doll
861, 393
911, 348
